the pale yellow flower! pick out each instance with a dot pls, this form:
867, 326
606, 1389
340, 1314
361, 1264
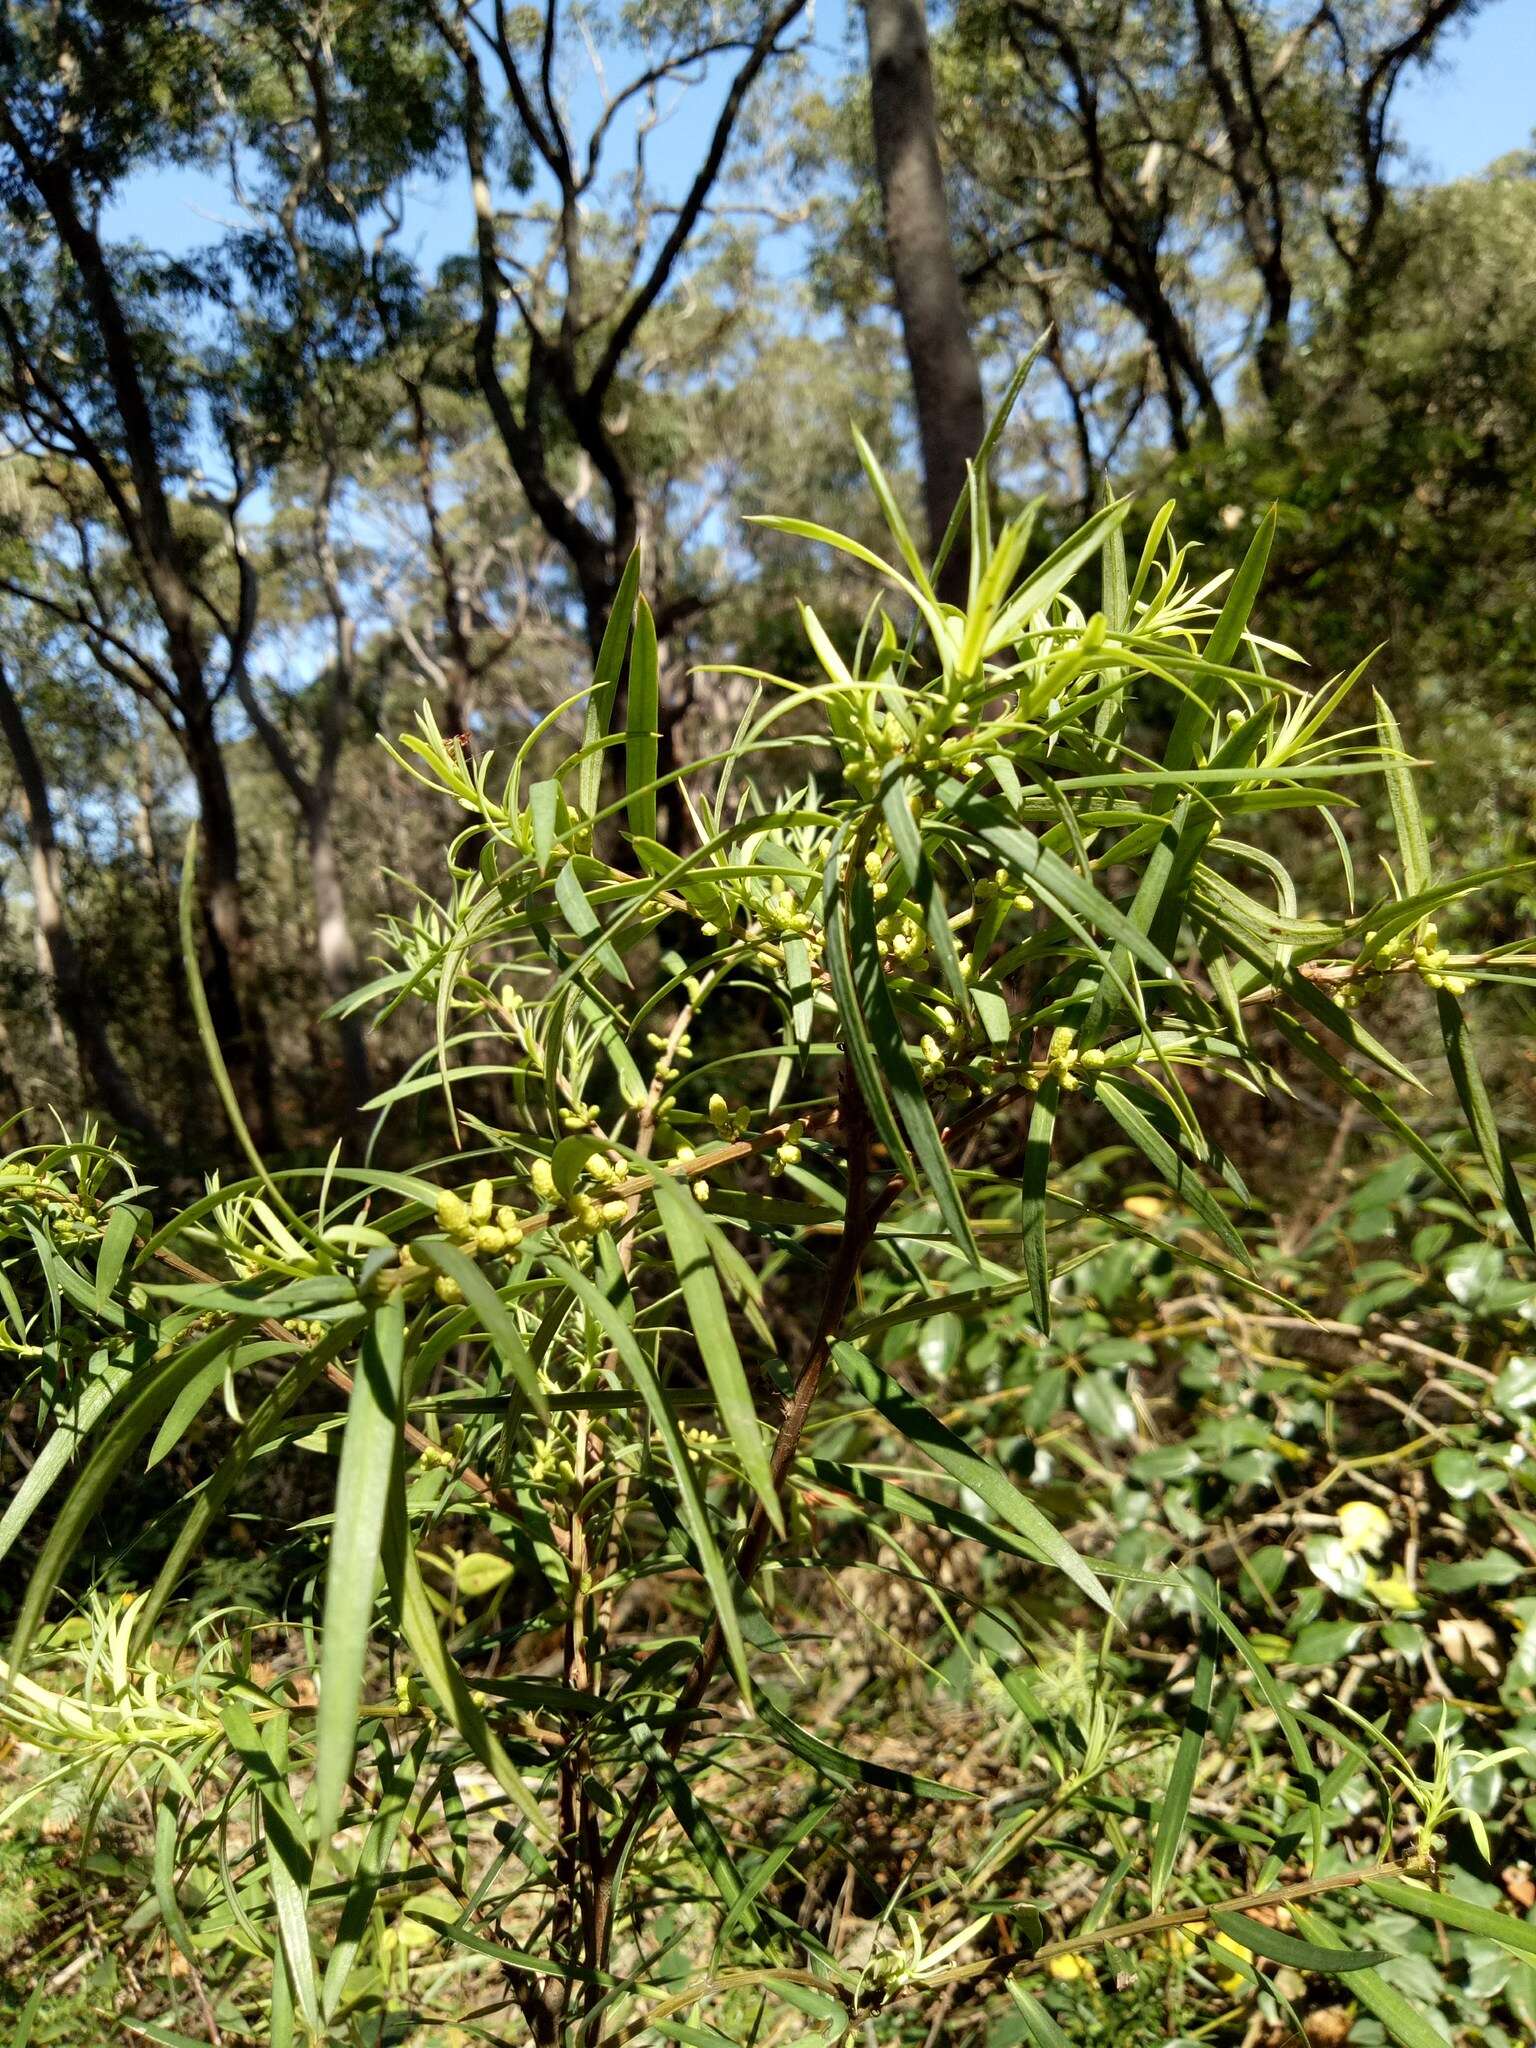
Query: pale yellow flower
1392, 1589
1363, 1528
1069, 1969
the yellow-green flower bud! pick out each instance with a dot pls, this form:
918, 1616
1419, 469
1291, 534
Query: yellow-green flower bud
452, 1213
489, 1241
482, 1199
542, 1180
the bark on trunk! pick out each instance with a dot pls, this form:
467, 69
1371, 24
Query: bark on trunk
338, 953
73, 1005
241, 1027
946, 382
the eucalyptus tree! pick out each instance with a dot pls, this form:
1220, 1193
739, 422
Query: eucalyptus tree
946, 381
101, 383
78, 1000
1175, 185
580, 243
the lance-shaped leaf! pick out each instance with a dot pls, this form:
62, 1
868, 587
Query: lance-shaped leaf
1407, 818
873, 997
1169, 1164
689, 1239
642, 734
833, 1762
1472, 1094
1181, 1780
605, 683
1447, 1910
616, 1327
368, 1452
149, 1393
926, 1433
418, 1624
1298, 1955
495, 1318
1398, 2014
1037, 1169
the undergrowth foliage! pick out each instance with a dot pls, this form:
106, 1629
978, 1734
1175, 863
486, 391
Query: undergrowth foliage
665, 1342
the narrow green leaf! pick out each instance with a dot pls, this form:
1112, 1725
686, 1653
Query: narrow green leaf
1297, 1955
113, 1250
989, 440
1369, 1098
643, 733
1447, 1910
952, 1455
1225, 639
923, 887
150, 1391
585, 922
862, 1058
399, 1781
873, 996
1168, 1163
1057, 570
1037, 1168
605, 682
1407, 818
1181, 1780
67, 1440
495, 1317
418, 1624
1472, 1094
212, 1051
22, 2035
163, 1876
616, 1327
689, 1241
289, 1863
1042, 2030
770, 1866
543, 802
368, 1455
838, 1763
1074, 900
1401, 2018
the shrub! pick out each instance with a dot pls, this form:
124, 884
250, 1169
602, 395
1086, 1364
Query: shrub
740, 1133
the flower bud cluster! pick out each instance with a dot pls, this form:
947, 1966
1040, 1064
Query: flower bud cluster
788, 1152
1430, 960
729, 1123
587, 1209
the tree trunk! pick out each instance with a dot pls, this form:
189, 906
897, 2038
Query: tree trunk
73, 1004
241, 1027
338, 953
946, 382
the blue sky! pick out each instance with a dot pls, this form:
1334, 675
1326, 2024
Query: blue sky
1476, 103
